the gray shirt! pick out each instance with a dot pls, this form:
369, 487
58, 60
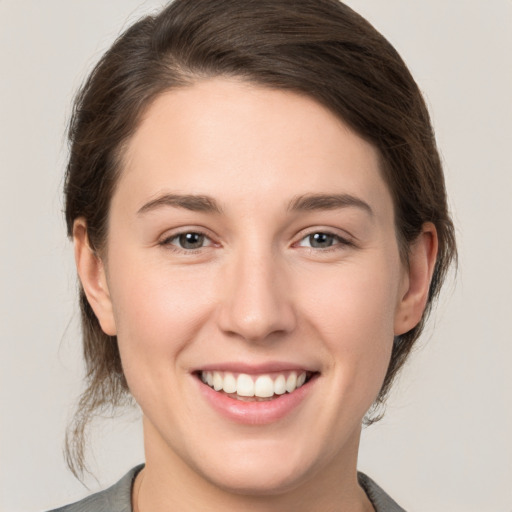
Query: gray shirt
118, 497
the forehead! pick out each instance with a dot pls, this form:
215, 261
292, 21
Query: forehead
241, 142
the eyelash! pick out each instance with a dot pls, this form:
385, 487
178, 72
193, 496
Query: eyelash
338, 242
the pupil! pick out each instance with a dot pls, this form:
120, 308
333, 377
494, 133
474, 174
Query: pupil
191, 240
321, 240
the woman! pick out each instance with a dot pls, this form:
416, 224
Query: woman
260, 226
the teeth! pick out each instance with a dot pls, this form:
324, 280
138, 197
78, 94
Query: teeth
244, 385
218, 381
280, 385
262, 386
291, 382
229, 385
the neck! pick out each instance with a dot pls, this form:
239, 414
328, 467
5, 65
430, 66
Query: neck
169, 483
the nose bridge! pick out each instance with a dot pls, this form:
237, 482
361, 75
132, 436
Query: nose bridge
256, 303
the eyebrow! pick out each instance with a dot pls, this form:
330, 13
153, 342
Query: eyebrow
195, 203
306, 202
309, 202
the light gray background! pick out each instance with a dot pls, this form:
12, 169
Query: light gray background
445, 444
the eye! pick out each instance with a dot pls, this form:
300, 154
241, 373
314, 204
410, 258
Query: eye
188, 241
322, 240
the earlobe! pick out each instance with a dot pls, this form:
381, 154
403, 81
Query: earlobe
422, 260
91, 272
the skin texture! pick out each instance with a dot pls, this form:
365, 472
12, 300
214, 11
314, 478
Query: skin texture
255, 292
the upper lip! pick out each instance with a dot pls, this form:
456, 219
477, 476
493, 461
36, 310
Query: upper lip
255, 369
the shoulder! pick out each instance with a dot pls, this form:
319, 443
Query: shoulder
381, 501
114, 499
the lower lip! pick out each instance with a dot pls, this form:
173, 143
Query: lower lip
256, 413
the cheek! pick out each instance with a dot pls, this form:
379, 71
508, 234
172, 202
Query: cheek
353, 309
158, 311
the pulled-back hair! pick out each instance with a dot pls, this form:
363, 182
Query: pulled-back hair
320, 48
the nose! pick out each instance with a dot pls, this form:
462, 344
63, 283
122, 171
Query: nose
257, 302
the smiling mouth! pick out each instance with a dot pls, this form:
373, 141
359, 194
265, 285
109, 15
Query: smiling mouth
255, 388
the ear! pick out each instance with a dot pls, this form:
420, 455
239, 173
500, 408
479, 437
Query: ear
414, 293
93, 278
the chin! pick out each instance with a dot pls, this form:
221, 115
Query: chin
257, 478
261, 468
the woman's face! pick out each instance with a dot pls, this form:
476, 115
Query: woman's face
251, 244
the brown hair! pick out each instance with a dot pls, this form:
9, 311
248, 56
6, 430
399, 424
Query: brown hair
320, 48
